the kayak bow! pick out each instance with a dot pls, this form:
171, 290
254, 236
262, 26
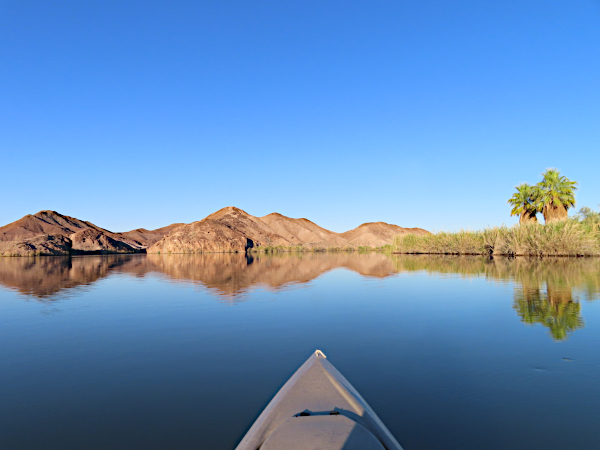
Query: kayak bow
318, 409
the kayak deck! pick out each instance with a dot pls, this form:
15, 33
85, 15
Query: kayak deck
318, 409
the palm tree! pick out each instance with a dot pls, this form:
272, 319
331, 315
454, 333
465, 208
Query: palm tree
523, 203
554, 195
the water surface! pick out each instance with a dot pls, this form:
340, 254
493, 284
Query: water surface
184, 351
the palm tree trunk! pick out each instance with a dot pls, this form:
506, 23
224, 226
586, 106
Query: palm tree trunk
527, 217
554, 213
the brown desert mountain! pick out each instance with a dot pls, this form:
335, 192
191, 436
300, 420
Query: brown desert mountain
231, 229
303, 232
92, 240
228, 230
51, 233
149, 237
377, 234
204, 236
257, 231
43, 223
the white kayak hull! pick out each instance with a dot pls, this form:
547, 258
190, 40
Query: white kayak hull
318, 409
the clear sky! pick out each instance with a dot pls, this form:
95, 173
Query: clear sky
420, 113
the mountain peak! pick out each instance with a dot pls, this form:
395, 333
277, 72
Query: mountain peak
226, 211
46, 213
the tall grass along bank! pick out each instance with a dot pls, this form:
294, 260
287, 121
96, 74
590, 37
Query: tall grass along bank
568, 238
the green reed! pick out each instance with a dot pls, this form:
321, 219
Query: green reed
568, 238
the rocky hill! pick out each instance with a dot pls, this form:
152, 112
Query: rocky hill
303, 232
377, 234
148, 237
51, 233
228, 230
257, 231
234, 230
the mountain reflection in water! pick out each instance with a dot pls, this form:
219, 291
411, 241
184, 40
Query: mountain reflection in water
547, 291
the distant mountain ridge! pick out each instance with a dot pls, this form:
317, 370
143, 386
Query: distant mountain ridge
228, 230
233, 230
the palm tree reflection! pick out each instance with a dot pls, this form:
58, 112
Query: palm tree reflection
556, 310
546, 291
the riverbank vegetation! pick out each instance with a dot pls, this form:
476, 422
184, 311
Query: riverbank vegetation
567, 238
559, 236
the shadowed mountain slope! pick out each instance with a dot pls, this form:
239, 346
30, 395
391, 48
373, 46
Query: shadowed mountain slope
51, 233
44, 222
149, 237
303, 232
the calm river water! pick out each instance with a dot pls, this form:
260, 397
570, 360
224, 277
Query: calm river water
165, 352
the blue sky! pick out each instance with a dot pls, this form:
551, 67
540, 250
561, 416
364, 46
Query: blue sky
144, 113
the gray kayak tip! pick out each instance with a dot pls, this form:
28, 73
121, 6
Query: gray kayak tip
318, 409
